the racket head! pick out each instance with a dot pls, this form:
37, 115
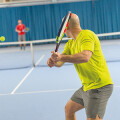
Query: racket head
27, 29
62, 29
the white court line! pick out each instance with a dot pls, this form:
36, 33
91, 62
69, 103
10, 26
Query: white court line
35, 92
117, 86
46, 91
27, 75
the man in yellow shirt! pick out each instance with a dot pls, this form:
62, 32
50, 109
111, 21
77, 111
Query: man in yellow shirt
84, 51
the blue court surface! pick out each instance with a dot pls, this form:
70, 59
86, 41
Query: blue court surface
41, 93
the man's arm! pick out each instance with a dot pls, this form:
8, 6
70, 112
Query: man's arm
23, 28
81, 57
59, 64
16, 29
51, 63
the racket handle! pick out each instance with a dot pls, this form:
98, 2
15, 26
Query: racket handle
56, 49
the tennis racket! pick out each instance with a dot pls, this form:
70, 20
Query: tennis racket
62, 30
26, 29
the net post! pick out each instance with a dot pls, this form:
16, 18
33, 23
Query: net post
32, 53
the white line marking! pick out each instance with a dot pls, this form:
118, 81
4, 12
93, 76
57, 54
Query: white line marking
35, 92
39, 60
45, 91
117, 86
27, 74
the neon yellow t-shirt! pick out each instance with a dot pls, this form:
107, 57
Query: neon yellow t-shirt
93, 74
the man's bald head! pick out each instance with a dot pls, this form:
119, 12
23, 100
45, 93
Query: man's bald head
74, 21
73, 27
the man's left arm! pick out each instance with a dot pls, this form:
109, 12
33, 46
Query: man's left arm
86, 48
81, 57
24, 26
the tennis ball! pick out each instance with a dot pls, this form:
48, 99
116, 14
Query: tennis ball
2, 38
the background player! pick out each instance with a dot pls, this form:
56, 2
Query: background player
20, 28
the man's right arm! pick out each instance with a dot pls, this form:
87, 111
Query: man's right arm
16, 29
59, 64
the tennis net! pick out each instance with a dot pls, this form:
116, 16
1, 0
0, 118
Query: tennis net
37, 52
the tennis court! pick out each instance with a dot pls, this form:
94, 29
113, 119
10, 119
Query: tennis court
40, 92
29, 89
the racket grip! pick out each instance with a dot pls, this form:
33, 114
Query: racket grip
56, 49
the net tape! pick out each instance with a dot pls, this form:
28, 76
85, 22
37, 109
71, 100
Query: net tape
110, 49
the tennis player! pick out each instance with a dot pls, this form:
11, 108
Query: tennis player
20, 28
84, 51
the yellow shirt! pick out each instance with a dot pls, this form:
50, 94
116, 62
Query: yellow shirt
93, 74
